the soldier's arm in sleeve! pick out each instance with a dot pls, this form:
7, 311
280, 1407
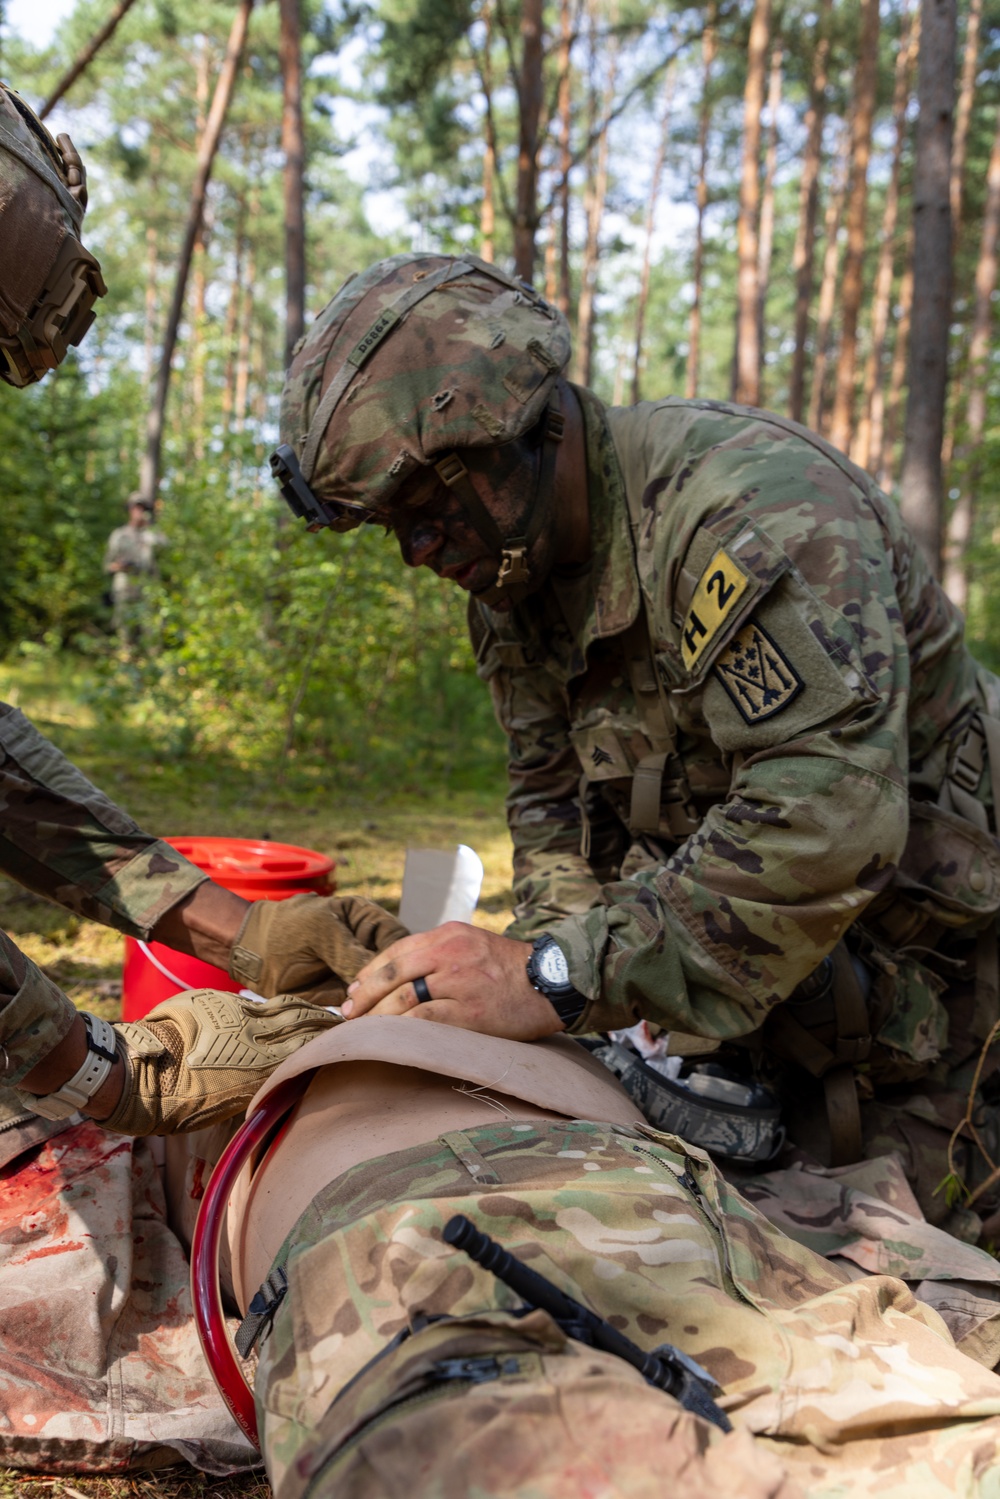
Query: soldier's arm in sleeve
35, 1015
552, 879
63, 838
793, 636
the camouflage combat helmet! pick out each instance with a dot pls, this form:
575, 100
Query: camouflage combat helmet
415, 359
48, 281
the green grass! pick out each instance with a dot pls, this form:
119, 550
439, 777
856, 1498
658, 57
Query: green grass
366, 830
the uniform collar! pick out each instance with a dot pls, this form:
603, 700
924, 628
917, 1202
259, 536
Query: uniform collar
557, 625
613, 595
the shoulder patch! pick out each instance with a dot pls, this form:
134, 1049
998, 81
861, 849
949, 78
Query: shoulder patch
758, 678
719, 590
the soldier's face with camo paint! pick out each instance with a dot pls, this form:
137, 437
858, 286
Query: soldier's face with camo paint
433, 529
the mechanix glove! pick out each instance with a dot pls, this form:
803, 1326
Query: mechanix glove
311, 945
201, 1056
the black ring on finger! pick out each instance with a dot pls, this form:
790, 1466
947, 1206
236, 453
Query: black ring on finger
421, 990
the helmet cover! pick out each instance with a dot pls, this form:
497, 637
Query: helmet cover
48, 281
415, 357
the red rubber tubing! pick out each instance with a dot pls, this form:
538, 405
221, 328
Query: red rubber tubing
205, 1295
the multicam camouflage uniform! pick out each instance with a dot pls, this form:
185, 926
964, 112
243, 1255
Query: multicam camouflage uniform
749, 728
832, 1386
63, 838
751, 768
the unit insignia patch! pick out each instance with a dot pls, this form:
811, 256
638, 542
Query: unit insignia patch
756, 675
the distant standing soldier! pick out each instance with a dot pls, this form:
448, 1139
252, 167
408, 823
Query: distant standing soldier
130, 558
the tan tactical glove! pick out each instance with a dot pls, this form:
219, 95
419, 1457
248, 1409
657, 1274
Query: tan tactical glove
311, 945
201, 1056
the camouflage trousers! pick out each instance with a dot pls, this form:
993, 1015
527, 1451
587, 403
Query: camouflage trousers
833, 1385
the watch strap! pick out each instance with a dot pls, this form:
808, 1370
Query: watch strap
89, 1077
569, 1007
567, 1001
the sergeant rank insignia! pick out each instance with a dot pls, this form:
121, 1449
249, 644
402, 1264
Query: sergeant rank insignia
756, 675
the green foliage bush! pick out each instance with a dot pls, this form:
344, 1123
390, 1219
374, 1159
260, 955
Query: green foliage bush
309, 659
64, 474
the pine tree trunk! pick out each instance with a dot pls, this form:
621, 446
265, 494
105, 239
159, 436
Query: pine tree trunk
565, 107
708, 47
766, 244
235, 307
198, 272
963, 115
851, 287
150, 467
261, 368
861, 448
551, 255
596, 194
647, 252
921, 479
487, 207
956, 579
530, 96
747, 362
828, 278
883, 457
293, 150
231, 330
804, 254
198, 288
242, 384
87, 56
151, 300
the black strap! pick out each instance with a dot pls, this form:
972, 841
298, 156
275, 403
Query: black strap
512, 573
261, 1312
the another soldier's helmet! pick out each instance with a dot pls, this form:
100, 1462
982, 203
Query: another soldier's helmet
48, 281
417, 357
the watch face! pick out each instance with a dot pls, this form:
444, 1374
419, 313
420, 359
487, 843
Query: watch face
552, 965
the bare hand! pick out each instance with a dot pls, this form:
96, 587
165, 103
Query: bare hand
476, 980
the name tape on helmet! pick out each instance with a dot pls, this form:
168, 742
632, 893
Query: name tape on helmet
369, 342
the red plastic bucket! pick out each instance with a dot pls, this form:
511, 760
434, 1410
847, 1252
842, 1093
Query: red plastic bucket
255, 870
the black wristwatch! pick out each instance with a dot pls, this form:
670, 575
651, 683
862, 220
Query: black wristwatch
548, 972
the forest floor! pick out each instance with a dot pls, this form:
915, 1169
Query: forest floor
367, 836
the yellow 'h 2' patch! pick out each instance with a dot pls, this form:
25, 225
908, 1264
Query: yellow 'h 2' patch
719, 590
758, 678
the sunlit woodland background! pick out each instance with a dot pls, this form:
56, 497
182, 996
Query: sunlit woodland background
729, 201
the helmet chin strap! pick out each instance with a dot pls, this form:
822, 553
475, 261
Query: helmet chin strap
513, 572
